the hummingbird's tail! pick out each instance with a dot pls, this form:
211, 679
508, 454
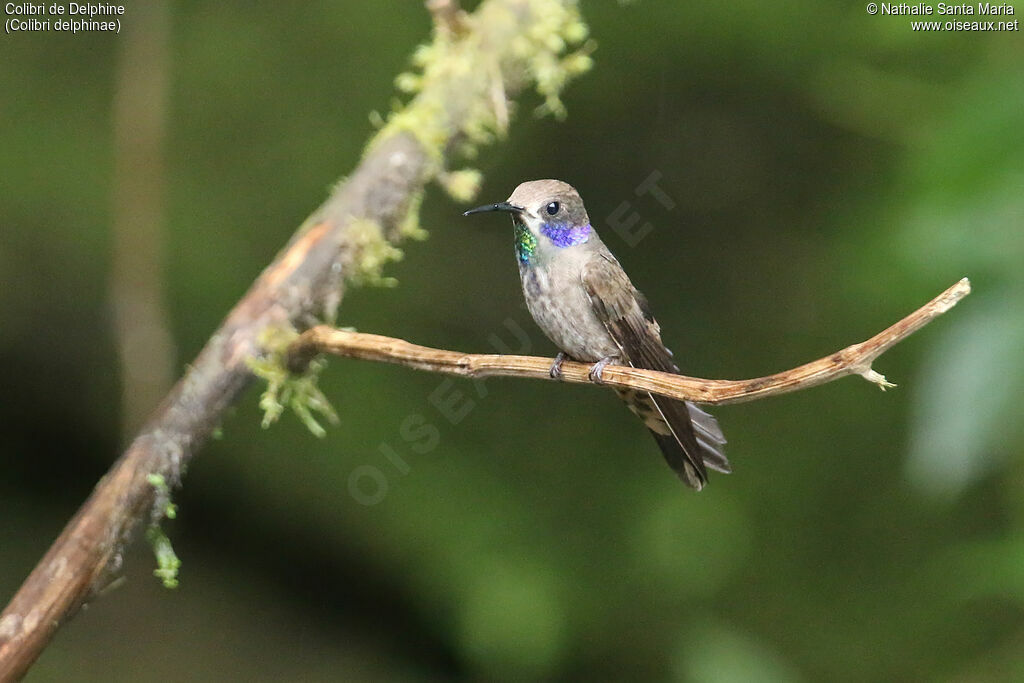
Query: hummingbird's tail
709, 438
689, 438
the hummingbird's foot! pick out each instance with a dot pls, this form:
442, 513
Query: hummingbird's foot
556, 367
598, 368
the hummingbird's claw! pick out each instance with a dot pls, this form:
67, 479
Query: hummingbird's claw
556, 366
598, 368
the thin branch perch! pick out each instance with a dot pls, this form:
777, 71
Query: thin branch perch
853, 360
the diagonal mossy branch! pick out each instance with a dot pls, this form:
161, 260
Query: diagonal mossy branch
503, 47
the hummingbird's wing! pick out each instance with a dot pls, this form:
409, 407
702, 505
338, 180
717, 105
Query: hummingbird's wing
688, 436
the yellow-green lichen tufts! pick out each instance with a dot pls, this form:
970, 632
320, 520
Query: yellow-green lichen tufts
285, 390
426, 121
163, 507
459, 81
167, 562
370, 253
558, 27
410, 226
462, 185
408, 82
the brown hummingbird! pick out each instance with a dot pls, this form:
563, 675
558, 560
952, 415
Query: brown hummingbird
584, 302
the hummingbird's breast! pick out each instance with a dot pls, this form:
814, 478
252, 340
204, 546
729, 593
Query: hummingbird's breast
559, 304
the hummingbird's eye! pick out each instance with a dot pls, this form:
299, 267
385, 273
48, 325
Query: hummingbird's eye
552, 208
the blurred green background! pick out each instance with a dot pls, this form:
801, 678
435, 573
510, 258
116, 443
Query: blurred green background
830, 172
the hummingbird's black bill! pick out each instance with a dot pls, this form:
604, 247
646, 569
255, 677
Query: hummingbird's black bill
500, 206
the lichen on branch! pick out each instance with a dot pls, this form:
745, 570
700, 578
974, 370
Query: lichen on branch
478, 66
289, 390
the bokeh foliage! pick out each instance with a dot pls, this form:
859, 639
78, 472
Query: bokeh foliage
829, 170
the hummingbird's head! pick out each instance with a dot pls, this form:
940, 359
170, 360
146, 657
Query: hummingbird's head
548, 216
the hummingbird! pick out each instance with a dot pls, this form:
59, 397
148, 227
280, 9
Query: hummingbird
584, 302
